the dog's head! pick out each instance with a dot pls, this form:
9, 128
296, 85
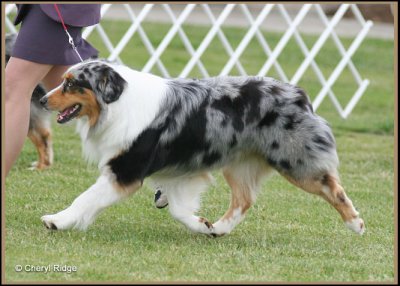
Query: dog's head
10, 41
86, 90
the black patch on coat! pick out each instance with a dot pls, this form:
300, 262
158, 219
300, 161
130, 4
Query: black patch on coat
103, 80
232, 109
272, 162
250, 97
278, 102
37, 94
84, 83
211, 158
285, 164
275, 145
325, 180
276, 90
96, 68
268, 119
138, 161
330, 138
147, 154
244, 108
224, 122
78, 85
190, 142
233, 142
291, 122
109, 84
322, 143
302, 100
86, 70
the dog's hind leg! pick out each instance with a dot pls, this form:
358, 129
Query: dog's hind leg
41, 138
84, 209
244, 178
329, 188
183, 195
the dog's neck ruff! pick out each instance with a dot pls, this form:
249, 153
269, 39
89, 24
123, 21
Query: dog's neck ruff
122, 121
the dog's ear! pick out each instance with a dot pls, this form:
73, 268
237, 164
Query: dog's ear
110, 86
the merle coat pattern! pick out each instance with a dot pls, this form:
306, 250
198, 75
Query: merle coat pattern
137, 125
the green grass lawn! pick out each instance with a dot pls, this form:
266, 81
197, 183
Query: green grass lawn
288, 235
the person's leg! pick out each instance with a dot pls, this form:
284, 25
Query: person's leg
21, 77
54, 77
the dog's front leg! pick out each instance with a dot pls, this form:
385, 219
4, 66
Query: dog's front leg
88, 205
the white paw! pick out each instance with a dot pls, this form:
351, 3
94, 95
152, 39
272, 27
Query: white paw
48, 222
33, 166
205, 227
357, 225
221, 228
160, 199
62, 221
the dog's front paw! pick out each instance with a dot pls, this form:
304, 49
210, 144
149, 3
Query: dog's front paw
60, 221
48, 222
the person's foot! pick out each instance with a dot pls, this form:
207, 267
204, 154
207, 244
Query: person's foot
160, 198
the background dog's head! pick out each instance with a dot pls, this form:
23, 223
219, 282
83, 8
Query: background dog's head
85, 91
10, 41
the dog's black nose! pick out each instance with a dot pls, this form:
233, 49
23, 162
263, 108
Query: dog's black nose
43, 100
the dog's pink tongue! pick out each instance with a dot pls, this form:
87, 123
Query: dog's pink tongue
66, 113
63, 114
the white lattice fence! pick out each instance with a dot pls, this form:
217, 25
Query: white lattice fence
178, 15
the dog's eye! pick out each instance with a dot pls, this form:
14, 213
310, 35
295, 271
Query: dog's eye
70, 84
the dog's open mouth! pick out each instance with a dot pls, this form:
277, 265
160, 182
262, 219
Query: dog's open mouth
69, 113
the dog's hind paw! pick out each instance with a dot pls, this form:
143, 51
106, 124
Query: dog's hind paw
160, 199
207, 227
357, 225
38, 166
33, 166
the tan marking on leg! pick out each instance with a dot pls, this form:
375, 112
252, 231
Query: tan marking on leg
339, 199
41, 138
40, 148
128, 190
45, 135
333, 193
240, 196
244, 188
206, 222
244, 177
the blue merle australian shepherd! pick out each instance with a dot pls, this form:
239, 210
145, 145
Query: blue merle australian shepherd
137, 125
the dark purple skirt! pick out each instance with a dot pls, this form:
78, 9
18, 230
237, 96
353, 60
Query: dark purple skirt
43, 40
